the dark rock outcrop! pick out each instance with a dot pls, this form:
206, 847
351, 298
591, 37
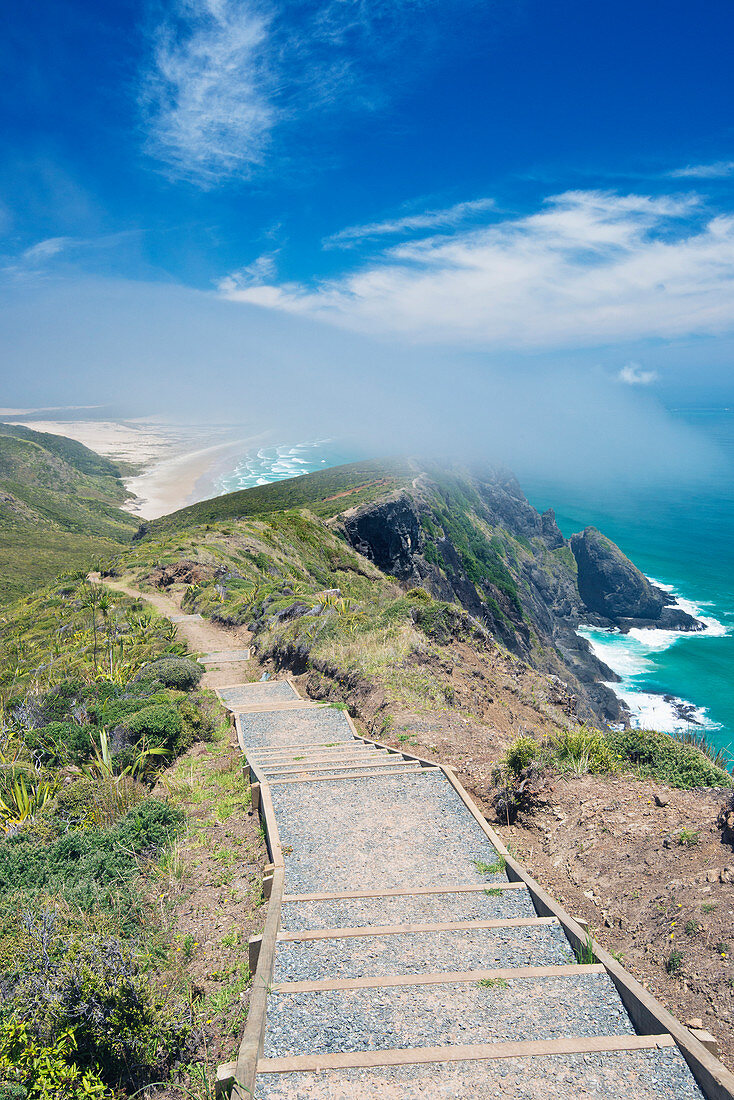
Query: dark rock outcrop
388, 533
615, 591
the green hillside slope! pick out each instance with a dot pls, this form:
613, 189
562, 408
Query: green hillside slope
60, 508
325, 493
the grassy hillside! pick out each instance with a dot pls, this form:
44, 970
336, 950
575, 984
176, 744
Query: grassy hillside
60, 508
325, 493
101, 990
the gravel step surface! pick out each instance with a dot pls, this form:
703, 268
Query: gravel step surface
301, 726
421, 953
330, 1021
414, 909
626, 1075
261, 692
390, 831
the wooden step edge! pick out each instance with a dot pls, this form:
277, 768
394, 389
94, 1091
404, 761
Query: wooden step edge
298, 746
364, 774
276, 706
322, 763
405, 891
339, 765
440, 977
346, 747
254, 684
470, 1052
410, 929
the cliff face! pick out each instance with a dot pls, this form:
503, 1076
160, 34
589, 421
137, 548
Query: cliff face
476, 540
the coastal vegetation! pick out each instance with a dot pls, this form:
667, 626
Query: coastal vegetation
122, 804
60, 508
97, 703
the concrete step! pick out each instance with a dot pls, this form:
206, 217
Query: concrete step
260, 692
402, 952
225, 657
327, 1021
407, 909
618, 1068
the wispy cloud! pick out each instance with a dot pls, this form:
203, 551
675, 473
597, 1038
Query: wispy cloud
46, 250
206, 96
223, 76
720, 169
409, 223
632, 374
588, 268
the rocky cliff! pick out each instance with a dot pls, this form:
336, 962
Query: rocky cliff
476, 540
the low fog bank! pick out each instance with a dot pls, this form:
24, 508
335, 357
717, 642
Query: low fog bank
191, 357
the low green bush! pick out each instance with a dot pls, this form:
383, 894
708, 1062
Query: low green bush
174, 672
61, 743
663, 757
585, 750
160, 724
89, 867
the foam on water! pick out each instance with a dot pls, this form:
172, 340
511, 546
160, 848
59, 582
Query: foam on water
281, 461
630, 656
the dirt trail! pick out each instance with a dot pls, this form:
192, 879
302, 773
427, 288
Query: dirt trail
201, 635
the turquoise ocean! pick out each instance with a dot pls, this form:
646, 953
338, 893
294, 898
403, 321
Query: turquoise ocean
682, 538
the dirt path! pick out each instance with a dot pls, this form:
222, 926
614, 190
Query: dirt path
201, 635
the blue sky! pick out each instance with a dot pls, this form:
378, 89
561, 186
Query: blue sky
514, 190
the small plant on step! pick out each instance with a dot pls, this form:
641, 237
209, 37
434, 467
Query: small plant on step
584, 952
493, 983
495, 868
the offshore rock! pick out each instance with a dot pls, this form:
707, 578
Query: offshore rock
614, 589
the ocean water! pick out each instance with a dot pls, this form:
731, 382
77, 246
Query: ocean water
281, 461
680, 537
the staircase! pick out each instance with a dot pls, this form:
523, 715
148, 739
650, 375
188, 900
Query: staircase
407, 954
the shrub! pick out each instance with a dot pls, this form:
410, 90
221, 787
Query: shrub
94, 990
585, 750
418, 594
198, 724
160, 724
518, 779
664, 757
31, 1070
175, 672
61, 743
90, 866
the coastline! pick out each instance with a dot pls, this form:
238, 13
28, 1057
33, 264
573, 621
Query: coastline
181, 479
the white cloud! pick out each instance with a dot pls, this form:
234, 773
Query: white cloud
254, 274
588, 268
718, 170
429, 219
46, 250
206, 96
632, 374
222, 76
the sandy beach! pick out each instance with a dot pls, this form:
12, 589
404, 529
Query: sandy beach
177, 463
180, 480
